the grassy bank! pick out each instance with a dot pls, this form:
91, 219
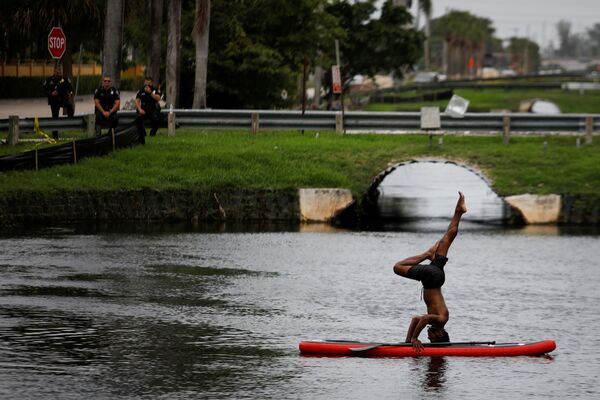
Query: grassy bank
500, 99
208, 160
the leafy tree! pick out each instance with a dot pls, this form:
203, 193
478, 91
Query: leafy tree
525, 55
258, 47
594, 36
370, 46
465, 36
565, 38
29, 21
244, 71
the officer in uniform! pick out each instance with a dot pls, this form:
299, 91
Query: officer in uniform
146, 104
107, 102
59, 91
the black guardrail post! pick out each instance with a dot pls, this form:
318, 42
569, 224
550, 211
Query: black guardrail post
505, 129
171, 123
255, 123
589, 129
90, 123
74, 151
339, 123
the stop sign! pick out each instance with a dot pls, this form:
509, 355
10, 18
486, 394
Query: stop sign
57, 42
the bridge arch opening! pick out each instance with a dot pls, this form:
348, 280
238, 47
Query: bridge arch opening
428, 189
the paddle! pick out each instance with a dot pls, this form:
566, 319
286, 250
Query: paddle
440, 344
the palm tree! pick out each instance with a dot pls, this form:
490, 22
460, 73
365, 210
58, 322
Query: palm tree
465, 36
425, 6
200, 33
173, 51
113, 40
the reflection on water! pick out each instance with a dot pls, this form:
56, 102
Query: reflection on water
164, 314
429, 190
436, 374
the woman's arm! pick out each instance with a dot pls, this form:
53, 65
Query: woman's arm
416, 326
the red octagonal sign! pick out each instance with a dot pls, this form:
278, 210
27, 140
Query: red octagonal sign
57, 42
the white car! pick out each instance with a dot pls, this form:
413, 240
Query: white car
427, 77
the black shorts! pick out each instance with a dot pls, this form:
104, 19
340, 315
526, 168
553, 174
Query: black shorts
431, 276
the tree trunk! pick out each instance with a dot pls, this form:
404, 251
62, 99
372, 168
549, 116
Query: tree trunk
113, 39
67, 59
304, 74
156, 16
173, 52
426, 43
481, 61
418, 17
445, 51
201, 30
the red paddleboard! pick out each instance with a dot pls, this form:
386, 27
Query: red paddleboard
461, 349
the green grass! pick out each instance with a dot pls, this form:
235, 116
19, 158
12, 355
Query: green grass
216, 159
500, 99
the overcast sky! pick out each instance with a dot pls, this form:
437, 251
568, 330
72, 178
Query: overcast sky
533, 18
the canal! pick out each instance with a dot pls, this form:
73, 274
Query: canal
178, 313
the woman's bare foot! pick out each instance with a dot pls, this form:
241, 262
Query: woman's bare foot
460, 205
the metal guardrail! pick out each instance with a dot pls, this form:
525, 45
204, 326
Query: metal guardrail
353, 121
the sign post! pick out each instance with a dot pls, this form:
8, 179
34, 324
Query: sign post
336, 81
57, 43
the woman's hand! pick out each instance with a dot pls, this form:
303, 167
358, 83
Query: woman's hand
417, 345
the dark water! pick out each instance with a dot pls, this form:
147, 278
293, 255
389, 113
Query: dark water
219, 315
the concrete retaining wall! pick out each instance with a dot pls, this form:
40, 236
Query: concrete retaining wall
557, 209
322, 205
535, 209
246, 205
150, 205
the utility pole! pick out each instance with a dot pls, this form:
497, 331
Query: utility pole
304, 73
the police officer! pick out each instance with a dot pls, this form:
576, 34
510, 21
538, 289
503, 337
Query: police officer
107, 101
146, 104
59, 91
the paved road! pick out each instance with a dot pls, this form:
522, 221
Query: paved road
38, 107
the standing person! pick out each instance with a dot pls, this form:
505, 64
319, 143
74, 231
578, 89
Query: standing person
432, 277
59, 91
107, 102
146, 104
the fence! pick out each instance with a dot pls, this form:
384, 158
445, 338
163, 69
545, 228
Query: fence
32, 68
72, 152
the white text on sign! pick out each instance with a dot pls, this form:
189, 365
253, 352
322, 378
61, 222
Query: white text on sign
56, 43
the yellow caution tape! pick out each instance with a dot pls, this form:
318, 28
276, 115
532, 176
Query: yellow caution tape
38, 131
